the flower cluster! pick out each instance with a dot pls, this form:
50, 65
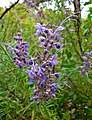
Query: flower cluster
41, 72
49, 41
44, 80
30, 4
21, 51
87, 63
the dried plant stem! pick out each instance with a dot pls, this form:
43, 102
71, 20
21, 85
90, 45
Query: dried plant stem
77, 11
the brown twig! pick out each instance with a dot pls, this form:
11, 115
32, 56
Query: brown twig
8, 9
77, 11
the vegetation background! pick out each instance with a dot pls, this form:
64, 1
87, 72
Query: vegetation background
74, 94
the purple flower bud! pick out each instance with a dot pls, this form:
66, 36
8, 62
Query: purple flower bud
20, 64
18, 37
40, 28
24, 44
45, 52
46, 31
26, 1
85, 58
57, 45
54, 85
14, 58
84, 73
91, 65
53, 59
31, 73
90, 54
41, 39
56, 33
43, 77
10, 48
82, 67
30, 62
57, 75
43, 65
23, 58
31, 4
33, 99
30, 80
54, 56
51, 42
50, 64
53, 90
18, 46
25, 54
42, 84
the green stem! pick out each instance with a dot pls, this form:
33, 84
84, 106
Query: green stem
5, 51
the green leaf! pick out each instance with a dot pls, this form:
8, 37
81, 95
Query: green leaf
87, 3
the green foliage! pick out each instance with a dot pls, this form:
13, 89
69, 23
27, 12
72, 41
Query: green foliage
74, 94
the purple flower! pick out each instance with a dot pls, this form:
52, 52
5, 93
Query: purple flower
85, 58
59, 28
11, 49
31, 4
34, 67
19, 63
39, 71
18, 37
43, 77
90, 54
14, 58
21, 51
91, 65
33, 99
26, 0
57, 45
42, 44
30, 80
44, 65
50, 64
53, 59
18, 46
31, 73
57, 75
42, 84
24, 44
84, 72
45, 52
56, 32
53, 90
30, 62
40, 28
54, 85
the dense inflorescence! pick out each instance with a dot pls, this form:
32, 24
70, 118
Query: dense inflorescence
87, 63
20, 51
41, 72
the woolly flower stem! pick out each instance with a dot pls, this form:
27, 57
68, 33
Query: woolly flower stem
65, 20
